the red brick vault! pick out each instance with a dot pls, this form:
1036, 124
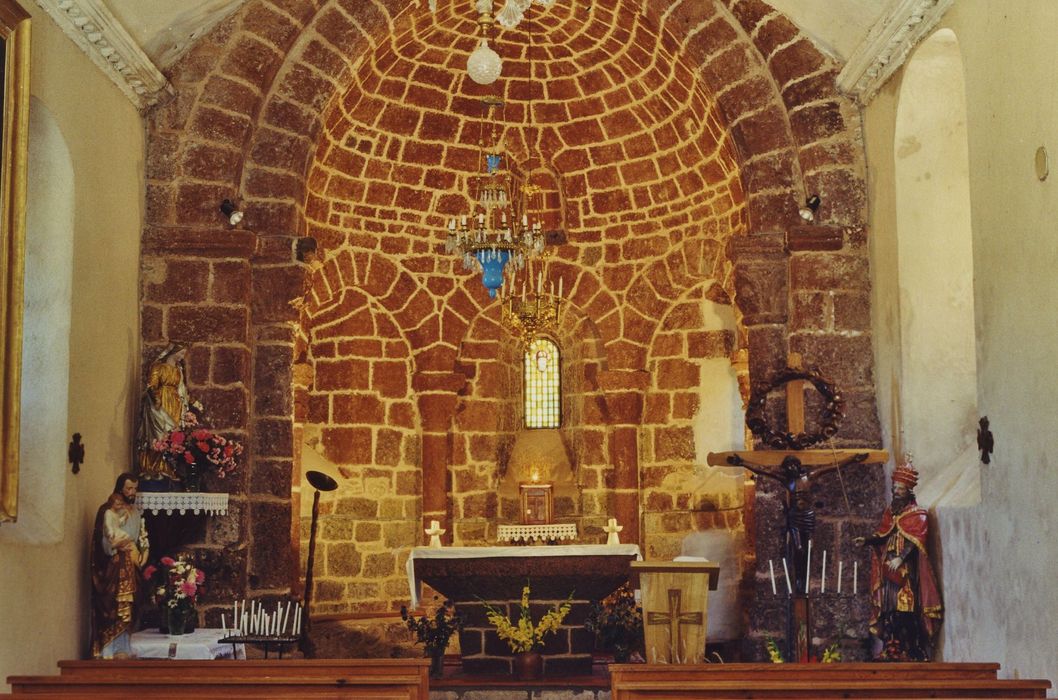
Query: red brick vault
673, 143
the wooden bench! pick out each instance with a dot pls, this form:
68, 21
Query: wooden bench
861, 680
377, 679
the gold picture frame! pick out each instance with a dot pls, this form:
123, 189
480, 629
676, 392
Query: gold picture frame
14, 36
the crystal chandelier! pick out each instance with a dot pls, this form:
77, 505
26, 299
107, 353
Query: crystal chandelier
498, 232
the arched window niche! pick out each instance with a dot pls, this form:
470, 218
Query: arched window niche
934, 412
542, 384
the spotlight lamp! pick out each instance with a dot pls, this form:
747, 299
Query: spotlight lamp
233, 215
808, 211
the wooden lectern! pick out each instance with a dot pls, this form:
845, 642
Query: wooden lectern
675, 608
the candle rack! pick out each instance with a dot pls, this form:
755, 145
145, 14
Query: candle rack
280, 642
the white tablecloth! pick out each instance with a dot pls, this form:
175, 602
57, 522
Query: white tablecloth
561, 550
200, 644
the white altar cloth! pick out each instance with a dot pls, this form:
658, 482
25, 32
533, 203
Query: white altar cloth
561, 550
200, 644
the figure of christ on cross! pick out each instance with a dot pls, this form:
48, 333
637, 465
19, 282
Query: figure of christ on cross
675, 619
800, 516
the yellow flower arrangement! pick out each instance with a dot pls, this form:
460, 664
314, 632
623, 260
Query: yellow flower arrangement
525, 636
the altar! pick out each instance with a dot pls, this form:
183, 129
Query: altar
469, 575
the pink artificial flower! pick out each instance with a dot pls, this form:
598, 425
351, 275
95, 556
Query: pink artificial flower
200, 576
177, 437
148, 573
202, 446
189, 458
168, 561
188, 588
201, 434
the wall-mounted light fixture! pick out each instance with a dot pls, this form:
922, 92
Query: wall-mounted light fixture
808, 211
233, 215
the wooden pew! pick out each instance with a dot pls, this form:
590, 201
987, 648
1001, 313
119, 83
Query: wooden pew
861, 680
377, 679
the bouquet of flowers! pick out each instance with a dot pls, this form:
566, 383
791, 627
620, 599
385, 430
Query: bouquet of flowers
617, 623
175, 585
192, 449
433, 632
525, 636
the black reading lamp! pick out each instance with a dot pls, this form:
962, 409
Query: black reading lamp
321, 482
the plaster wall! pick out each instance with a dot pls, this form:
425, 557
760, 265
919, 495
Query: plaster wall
995, 555
43, 587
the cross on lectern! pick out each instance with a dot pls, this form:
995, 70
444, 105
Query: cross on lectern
795, 469
675, 620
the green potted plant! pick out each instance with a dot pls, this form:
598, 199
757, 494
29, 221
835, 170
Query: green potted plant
617, 623
433, 632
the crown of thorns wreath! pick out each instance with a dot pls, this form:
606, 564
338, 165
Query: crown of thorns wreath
832, 414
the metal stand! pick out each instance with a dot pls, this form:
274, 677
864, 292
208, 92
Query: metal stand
267, 641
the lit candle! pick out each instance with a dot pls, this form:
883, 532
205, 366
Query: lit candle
808, 568
786, 574
823, 579
771, 570
855, 576
840, 562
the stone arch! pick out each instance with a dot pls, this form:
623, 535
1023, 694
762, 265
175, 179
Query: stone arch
359, 421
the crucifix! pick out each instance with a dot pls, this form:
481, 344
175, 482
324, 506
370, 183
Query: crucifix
675, 620
795, 467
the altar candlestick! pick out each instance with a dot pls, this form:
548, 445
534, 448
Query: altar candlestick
786, 573
771, 570
823, 580
808, 568
855, 576
840, 563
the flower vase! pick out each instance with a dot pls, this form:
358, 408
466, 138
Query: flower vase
192, 478
437, 664
528, 665
181, 621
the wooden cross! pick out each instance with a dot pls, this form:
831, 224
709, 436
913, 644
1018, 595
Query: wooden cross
793, 469
675, 620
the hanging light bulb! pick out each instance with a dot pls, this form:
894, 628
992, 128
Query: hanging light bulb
484, 65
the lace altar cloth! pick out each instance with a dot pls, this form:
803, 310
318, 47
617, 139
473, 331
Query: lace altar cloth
528, 533
182, 502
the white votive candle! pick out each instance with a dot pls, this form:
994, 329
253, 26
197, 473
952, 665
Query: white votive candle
808, 568
823, 578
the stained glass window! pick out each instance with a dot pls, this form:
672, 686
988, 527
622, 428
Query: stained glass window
543, 396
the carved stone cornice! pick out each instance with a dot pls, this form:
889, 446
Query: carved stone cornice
100, 35
888, 45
